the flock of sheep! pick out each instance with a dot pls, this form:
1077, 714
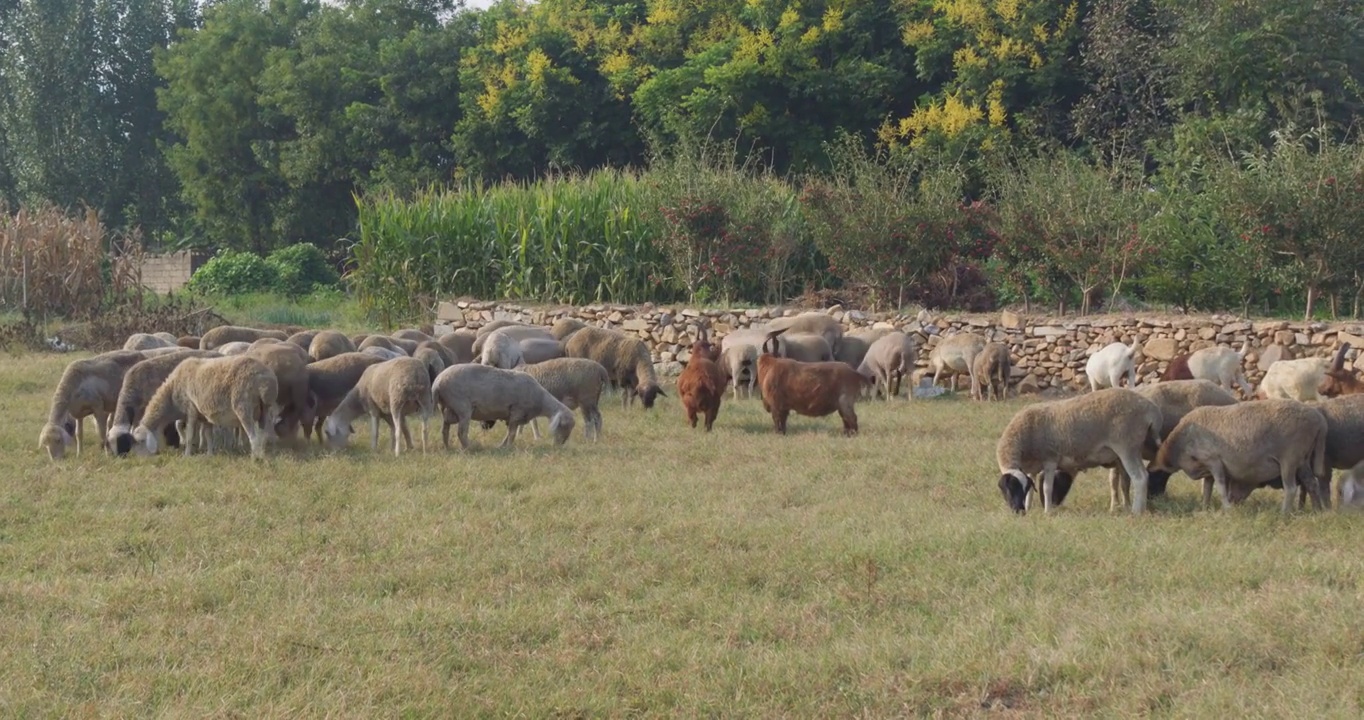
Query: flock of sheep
237, 384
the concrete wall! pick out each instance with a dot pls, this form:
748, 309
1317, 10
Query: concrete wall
171, 271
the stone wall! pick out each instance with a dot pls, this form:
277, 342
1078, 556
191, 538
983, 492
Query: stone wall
1047, 352
171, 271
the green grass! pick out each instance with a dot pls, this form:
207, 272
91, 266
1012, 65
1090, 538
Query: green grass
323, 309
662, 572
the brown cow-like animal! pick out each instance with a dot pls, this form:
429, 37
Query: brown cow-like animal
1340, 381
702, 383
811, 389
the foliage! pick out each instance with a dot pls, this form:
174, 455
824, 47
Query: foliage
54, 264
301, 269
234, 272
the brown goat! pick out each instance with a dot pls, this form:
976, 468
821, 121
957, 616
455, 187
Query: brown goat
811, 389
702, 383
1340, 381
1178, 370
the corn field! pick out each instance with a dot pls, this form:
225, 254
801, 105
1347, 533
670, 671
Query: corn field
56, 265
578, 240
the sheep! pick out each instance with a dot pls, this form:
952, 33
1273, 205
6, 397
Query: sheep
143, 341
1294, 380
1108, 366
139, 384
564, 327
810, 389
1058, 439
168, 338
1221, 365
1344, 427
224, 334
460, 343
575, 382
87, 387
990, 372
358, 338
500, 350
407, 346
389, 390
413, 335
227, 392
189, 342
626, 359
1176, 398
329, 381
538, 350
432, 359
496, 325
853, 346
290, 365
465, 393
1338, 380
1352, 489
380, 341
955, 355
811, 323
520, 333
1178, 369
1249, 444
701, 386
168, 350
889, 360
741, 364
234, 348
804, 347
447, 356
383, 352
328, 344
294, 348
303, 339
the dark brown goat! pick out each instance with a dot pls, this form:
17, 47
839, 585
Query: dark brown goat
702, 383
1340, 381
810, 389
1178, 370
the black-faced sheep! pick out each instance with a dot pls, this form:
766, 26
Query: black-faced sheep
390, 391
466, 393
809, 389
626, 359
1058, 439
139, 384
87, 387
230, 392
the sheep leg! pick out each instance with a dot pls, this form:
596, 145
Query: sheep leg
1115, 483
373, 431
1134, 481
464, 432
187, 437
80, 430
1219, 479
445, 433
847, 412
535, 426
1310, 485
512, 429
596, 424
710, 417
1289, 475
102, 425
400, 424
1048, 482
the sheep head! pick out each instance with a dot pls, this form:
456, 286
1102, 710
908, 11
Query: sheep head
55, 438
649, 392
561, 426
335, 433
1016, 486
1338, 380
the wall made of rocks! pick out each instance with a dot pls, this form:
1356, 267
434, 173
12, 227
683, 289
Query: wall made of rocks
1047, 352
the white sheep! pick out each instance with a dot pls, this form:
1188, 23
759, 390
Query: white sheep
1108, 366
578, 384
226, 392
139, 384
890, 359
1058, 439
741, 361
87, 387
516, 331
466, 393
1294, 379
500, 349
390, 391
1221, 365
236, 347
145, 341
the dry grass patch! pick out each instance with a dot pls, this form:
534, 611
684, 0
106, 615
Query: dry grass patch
661, 571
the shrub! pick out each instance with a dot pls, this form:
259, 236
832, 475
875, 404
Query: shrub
235, 272
302, 268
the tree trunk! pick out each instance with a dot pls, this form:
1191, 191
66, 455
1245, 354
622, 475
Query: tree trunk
1311, 302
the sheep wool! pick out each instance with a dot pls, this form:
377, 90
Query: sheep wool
390, 391
467, 393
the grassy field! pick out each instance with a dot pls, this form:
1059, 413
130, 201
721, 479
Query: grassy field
660, 572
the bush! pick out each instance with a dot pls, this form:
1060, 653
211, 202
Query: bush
302, 268
233, 272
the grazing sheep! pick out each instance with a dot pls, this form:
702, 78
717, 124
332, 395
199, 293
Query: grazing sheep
1108, 366
407, 346
1294, 380
626, 359
328, 344
87, 387
390, 390
303, 339
1338, 380
810, 389
383, 352
466, 393
357, 339
224, 334
741, 364
461, 344
413, 335
168, 350
1178, 369
447, 356
804, 347
144, 341
811, 322
564, 327
990, 372
701, 386
380, 341
1344, 428
431, 359
290, 365
294, 348
889, 360
956, 356
226, 392
1221, 365
520, 333
139, 384
1249, 444
1176, 398
500, 350
189, 342
167, 337
575, 382
1352, 489
238, 347
329, 381
496, 325
853, 346
538, 350
1058, 439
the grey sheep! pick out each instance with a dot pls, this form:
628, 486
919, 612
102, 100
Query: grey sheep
328, 344
538, 350
447, 356
413, 335
626, 359
226, 392
87, 387
380, 341
853, 346
517, 332
1058, 439
990, 372
741, 362
461, 344
578, 384
467, 393
889, 360
224, 334
330, 380
383, 352
500, 350
390, 391
431, 359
